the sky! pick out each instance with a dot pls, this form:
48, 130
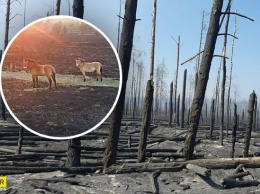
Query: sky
174, 18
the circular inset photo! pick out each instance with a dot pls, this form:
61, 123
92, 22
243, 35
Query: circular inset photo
60, 77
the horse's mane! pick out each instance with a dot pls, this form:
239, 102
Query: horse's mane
31, 60
82, 60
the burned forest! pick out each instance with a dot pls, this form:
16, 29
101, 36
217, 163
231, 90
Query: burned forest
187, 117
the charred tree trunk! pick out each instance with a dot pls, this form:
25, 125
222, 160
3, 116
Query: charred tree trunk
255, 111
119, 27
125, 50
178, 111
170, 105
2, 101
212, 118
78, 8
7, 20
73, 153
20, 141
183, 98
188, 117
24, 12
234, 131
251, 104
200, 89
224, 68
57, 10
146, 122
176, 80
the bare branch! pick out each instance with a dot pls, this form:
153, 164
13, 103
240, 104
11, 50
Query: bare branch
192, 57
18, 1
220, 56
174, 40
223, 34
14, 16
234, 13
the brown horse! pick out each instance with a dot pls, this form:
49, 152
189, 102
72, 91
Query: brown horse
89, 67
40, 70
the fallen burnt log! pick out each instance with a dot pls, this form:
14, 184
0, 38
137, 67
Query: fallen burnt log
33, 164
14, 142
231, 182
8, 170
199, 170
218, 163
154, 181
47, 188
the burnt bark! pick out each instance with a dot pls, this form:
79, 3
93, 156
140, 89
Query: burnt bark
57, 10
78, 8
170, 105
2, 101
20, 141
125, 50
183, 98
212, 118
251, 104
145, 122
176, 79
178, 111
147, 111
234, 131
203, 77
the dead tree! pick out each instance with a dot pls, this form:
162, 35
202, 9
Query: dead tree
78, 8
119, 26
20, 141
74, 152
255, 111
176, 77
2, 101
170, 105
251, 104
57, 10
223, 85
24, 12
234, 131
178, 111
146, 121
183, 98
200, 89
125, 50
212, 117
230, 76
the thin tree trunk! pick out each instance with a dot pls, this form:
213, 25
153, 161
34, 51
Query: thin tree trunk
251, 104
212, 118
188, 118
234, 131
20, 141
183, 98
230, 76
224, 68
119, 27
24, 13
146, 122
176, 79
255, 111
57, 10
2, 101
178, 111
200, 89
125, 50
73, 153
170, 105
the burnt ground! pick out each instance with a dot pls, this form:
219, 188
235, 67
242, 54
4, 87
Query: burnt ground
182, 181
76, 106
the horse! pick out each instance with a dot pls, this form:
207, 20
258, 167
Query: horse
40, 70
89, 67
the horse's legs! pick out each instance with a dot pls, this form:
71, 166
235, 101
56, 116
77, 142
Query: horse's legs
54, 80
84, 75
33, 79
50, 80
37, 83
